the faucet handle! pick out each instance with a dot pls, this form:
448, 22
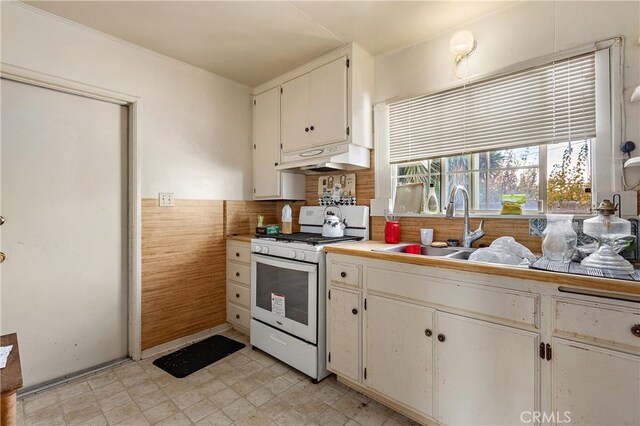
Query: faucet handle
481, 227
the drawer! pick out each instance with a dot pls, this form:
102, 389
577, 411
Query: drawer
239, 273
238, 315
509, 305
598, 322
239, 294
345, 274
239, 253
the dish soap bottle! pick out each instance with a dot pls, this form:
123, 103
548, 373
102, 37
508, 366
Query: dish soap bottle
286, 219
433, 206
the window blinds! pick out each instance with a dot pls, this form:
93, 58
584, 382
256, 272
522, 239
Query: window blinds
546, 104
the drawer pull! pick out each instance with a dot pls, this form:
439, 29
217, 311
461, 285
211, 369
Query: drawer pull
237, 254
441, 338
343, 274
237, 274
354, 311
237, 316
237, 294
635, 330
427, 332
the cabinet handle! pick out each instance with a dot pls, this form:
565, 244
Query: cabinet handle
237, 254
354, 311
275, 164
441, 338
238, 295
311, 128
237, 274
635, 330
427, 332
343, 274
237, 316
548, 352
306, 129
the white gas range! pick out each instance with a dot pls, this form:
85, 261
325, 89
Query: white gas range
288, 288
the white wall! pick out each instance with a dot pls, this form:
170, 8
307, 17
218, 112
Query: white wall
524, 31
195, 127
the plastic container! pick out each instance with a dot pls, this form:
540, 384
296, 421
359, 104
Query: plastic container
286, 219
433, 206
512, 204
413, 249
392, 232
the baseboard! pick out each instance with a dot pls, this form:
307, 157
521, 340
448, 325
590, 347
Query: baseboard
183, 341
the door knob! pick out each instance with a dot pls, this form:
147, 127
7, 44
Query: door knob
2, 257
1, 220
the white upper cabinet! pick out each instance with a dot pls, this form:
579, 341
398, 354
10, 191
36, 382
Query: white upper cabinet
268, 183
314, 107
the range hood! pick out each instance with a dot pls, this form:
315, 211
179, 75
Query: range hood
345, 156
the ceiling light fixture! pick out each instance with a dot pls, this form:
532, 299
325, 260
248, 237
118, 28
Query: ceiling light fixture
462, 44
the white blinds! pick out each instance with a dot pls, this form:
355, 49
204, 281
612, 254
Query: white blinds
546, 104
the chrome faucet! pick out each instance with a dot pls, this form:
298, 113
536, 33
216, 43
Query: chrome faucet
468, 237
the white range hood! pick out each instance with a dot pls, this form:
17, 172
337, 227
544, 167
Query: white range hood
346, 156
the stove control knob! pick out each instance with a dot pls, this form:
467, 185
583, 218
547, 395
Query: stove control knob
301, 255
265, 249
257, 249
293, 254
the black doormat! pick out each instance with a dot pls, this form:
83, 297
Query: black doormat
192, 358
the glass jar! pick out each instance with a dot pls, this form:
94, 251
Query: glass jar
560, 239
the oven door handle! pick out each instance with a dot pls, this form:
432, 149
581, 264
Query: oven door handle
274, 338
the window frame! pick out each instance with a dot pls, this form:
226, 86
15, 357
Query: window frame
606, 171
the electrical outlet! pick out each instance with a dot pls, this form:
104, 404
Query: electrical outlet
165, 199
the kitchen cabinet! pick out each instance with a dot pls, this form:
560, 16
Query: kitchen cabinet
489, 369
399, 351
343, 334
314, 107
268, 183
239, 285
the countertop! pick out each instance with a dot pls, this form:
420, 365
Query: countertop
243, 237
364, 249
11, 375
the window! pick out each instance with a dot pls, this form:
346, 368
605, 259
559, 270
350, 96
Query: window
530, 132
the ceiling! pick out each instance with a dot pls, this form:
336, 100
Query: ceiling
254, 41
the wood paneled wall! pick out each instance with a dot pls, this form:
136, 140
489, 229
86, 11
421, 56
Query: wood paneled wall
183, 269
241, 217
452, 228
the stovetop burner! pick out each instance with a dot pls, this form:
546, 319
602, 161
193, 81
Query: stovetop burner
309, 238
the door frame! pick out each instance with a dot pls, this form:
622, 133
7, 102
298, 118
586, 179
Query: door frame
134, 302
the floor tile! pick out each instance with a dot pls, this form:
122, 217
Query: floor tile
178, 419
239, 409
331, 417
38, 402
160, 412
151, 400
291, 418
123, 412
259, 396
144, 388
73, 389
215, 419
224, 397
114, 401
200, 410
102, 379
188, 398
275, 408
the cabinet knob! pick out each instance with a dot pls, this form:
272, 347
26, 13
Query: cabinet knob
306, 129
354, 311
237, 316
311, 128
343, 274
237, 274
441, 338
238, 295
427, 332
237, 254
635, 330
275, 164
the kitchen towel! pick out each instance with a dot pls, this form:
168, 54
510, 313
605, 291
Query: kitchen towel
576, 269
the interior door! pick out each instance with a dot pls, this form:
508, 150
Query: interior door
399, 355
295, 114
487, 374
328, 107
64, 197
266, 122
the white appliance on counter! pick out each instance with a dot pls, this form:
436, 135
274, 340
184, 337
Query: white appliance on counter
288, 289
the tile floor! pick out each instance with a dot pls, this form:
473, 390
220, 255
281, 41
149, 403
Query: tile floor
246, 388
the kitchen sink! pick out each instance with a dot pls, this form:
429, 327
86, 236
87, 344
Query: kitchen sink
446, 252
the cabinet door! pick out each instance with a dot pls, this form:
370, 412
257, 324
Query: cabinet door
266, 138
594, 386
486, 373
344, 333
328, 108
399, 351
295, 114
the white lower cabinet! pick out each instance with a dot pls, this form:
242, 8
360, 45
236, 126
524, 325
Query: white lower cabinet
487, 374
399, 351
594, 385
343, 336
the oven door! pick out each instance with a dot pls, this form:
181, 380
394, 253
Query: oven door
284, 294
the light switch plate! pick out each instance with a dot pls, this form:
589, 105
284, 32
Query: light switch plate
165, 199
